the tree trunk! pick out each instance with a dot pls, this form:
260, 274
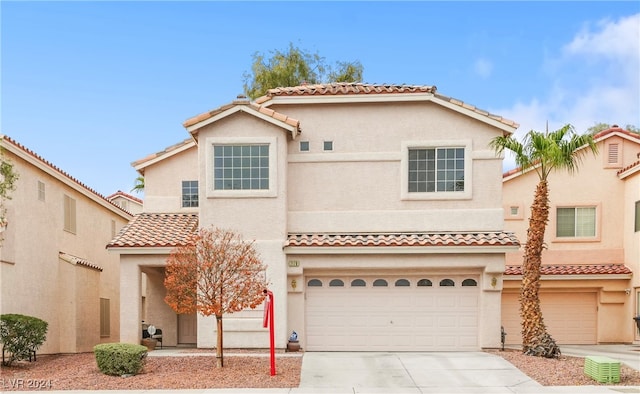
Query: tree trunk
219, 356
535, 339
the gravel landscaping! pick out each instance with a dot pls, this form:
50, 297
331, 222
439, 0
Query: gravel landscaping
79, 371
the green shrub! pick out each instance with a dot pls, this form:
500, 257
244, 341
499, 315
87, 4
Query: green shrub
21, 336
120, 358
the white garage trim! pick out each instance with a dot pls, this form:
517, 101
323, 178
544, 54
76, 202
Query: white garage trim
405, 315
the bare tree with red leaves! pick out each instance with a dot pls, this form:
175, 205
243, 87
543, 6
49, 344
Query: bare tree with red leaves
216, 273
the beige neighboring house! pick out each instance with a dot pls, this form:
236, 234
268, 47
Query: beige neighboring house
590, 288
53, 261
377, 209
126, 201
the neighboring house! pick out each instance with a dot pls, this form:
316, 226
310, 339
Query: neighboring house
126, 201
376, 208
53, 261
588, 292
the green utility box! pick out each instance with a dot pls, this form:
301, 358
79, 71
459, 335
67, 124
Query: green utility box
602, 369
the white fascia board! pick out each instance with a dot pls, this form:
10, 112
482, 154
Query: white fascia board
398, 249
629, 172
616, 133
246, 109
173, 152
475, 115
140, 250
67, 181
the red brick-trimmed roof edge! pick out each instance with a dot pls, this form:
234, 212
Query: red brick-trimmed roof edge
403, 239
57, 169
263, 110
79, 261
156, 230
120, 193
575, 269
358, 88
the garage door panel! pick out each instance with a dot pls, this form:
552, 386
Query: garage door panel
391, 318
571, 318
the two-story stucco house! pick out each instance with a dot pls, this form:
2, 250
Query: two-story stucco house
588, 293
376, 208
53, 261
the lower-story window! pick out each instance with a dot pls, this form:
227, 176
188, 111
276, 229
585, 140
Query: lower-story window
105, 317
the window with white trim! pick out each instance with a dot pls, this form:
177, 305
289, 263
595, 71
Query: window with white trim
575, 222
241, 167
189, 194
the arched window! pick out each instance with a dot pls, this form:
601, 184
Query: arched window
380, 283
336, 283
424, 282
402, 283
314, 283
358, 283
447, 282
469, 282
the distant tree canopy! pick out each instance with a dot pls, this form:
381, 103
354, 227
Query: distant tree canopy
294, 67
598, 127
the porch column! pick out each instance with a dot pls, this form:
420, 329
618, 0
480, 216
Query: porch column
130, 301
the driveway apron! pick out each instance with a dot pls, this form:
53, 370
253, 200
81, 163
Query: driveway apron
411, 372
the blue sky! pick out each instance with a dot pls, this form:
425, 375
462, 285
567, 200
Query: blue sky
93, 86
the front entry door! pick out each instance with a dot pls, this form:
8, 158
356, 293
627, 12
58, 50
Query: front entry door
187, 329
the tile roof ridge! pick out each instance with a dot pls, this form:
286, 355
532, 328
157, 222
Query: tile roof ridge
4, 137
120, 193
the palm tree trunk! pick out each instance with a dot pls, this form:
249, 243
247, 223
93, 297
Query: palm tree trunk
535, 339
219, 355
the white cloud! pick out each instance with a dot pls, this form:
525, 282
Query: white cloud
483, 68
595, 78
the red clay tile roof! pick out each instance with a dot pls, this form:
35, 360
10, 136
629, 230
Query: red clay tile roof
120, 193
163, 152
78, 261
7, 140
404, 239
263, 110
616, 129
630, 166
584, 269
156, 230
350, 88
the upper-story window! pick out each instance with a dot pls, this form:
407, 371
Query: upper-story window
637, 226
436, 170
241, 167
574, 222
189, 194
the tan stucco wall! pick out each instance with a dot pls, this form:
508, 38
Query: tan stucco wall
33, 279
163, 182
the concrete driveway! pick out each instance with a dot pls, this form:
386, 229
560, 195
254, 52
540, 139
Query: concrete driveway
437, 372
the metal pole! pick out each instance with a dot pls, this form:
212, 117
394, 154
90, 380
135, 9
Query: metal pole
270, 318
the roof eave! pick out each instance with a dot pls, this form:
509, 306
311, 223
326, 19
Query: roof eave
195, 127
464, 249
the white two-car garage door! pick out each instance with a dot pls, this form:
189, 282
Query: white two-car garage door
392, 313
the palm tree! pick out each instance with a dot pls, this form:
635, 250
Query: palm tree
139, 185
541, 152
